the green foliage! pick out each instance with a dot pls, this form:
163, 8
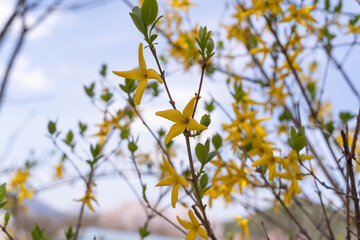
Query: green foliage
297, 140
69, 234
90, 90
106, 97
209, 106
206, 43
286, 115
2, 195
205, 120
83, 128
217, 141
346, 117
52, 127
103, 70
96, 154
6, 219
129, 86
145, 16
238, 93
69, 139
38, 234
203, 152
132, 146
143, 231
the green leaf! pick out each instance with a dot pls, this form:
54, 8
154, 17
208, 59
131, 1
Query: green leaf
69, 234
37, 233
144, 192
95, 151
69, 139
205, 120
132, 146
143, 231
204, 181
201, 153
217, 141
6, 219
327, 5
153, 37
2, 192
136, 17
52, 127
90, 90
297, 141
211, 156
346, 116
354, 20
149, 11
82, 127
285, 115
106, 96
338, 7
209, 106
103, 70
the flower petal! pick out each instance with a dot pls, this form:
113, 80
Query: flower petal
142, 63
202, 233
171, 114
182, 181
194, 125
168, 167
184, 223
192, 217
132, 74
140, 91
174, 131
168, 181
191, 235
152, 74
174, 195
189, 109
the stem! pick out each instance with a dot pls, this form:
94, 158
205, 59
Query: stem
203, 68
195, 183
162, 75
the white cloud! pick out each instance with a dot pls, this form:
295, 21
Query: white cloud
29, 78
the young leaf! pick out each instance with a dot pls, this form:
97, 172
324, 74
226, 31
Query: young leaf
149, 11
136, 17
6, 219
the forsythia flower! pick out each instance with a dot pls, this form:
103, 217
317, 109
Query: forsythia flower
87, 198
182, 120
173, 179
193, 226
142, 75
243, 222
24, 193
59, 171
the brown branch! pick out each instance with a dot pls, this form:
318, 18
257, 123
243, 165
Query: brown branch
350, 170
203, 68
6, 232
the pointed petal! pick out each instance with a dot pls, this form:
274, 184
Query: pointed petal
174, 131
152, 74
168, 181
184, 223
140, 91
171, 114
189, 109
132, 74
142, 63
168, 167
192, 217
202, 233
182, 181
174, 195
191, 235
194, 125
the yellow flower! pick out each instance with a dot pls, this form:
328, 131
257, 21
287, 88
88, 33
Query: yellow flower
182, 120
299, 15
88, 197
142, 75
21, 176
24, 193
243, 222
193, 226
59, 171
173, 179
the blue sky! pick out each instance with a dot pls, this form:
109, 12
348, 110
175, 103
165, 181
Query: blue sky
65, 53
